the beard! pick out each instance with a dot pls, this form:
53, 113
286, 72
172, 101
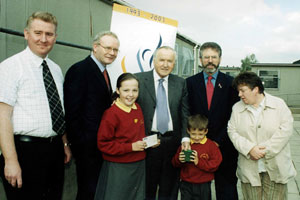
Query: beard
210, 70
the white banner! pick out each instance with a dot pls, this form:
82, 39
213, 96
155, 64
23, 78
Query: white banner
140, 34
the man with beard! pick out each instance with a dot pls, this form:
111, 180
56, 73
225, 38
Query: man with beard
211, 94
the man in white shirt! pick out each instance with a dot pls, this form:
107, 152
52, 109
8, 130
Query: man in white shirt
33, 149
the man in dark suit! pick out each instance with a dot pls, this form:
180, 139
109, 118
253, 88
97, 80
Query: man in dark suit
87, 92
159, 171
211, 94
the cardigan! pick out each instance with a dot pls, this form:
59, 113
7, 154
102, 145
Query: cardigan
209, 157
118, 130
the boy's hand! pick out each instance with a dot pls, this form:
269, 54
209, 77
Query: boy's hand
182, 157
194, 157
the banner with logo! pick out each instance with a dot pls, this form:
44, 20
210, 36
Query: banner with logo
140, 34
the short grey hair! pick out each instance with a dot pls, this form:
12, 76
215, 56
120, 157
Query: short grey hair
99, 35
164, 47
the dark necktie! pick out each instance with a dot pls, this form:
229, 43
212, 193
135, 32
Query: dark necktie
209, 91
106, 78
162, 114
57, 115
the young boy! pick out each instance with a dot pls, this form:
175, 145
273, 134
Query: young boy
197, 172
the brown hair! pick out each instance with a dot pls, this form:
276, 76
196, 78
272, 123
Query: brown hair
197, 122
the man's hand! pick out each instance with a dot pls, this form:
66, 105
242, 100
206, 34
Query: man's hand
186, 146
12, 169
67, 149
257, 152
13, 173
158, 143
68, 154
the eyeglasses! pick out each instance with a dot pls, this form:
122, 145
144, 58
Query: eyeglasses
109, 49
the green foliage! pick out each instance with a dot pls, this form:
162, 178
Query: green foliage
246, 62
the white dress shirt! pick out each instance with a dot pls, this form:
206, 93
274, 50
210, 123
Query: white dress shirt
22, 87
165, 84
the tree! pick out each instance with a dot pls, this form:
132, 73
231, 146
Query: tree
246, 62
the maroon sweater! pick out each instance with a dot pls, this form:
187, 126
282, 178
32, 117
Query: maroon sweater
117, 131
210, 158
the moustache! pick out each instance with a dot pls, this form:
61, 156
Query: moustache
210, 64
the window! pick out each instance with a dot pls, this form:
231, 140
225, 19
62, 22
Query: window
270, 78
187, 61
175, 70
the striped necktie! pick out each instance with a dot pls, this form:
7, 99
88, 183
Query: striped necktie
57, 115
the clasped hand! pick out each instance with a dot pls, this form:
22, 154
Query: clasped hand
257, 152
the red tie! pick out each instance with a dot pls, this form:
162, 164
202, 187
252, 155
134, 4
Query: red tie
106, 78
209, 91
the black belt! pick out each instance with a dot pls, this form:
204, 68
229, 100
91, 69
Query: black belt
166, 134
26, 138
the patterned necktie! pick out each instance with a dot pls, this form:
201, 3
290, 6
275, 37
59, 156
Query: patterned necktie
57, 115
106, 78
162, 114
209, 91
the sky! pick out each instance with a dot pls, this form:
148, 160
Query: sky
268, 28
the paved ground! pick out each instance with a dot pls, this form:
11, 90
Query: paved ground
293, 185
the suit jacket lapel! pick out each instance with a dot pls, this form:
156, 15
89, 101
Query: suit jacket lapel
99, 75
149, 85
217, 96
172, 86
201, 91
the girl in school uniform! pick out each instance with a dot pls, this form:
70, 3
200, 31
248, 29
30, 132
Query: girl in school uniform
120, 139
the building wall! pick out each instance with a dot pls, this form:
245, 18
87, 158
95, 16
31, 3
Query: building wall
78, 22
288, 83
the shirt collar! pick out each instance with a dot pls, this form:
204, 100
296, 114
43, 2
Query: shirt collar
214, 75
157, 77
123, 107
101, 67
203, 141
35, 59
260, 106
267, 102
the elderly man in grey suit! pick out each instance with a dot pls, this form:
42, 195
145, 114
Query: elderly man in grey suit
164, 101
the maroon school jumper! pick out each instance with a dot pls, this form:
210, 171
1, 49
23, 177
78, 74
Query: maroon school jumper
118, 130
209, 157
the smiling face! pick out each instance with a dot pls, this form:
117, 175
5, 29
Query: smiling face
106, 49
197, 135
128, 92
164, 62
41, 37
210, 60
